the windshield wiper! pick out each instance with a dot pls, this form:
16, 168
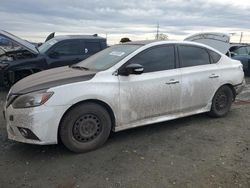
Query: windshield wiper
79, 67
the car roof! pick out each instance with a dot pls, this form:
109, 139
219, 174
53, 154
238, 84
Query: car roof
92, 37
140, 42
146, 42
161, 42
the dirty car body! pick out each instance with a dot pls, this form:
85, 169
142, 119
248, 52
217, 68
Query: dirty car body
139, 83
27, 59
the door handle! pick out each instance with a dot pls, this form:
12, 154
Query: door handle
172, 81
214, 76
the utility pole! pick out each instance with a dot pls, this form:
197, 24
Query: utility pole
241, 36
157, 31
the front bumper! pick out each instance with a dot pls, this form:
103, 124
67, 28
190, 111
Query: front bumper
42, 121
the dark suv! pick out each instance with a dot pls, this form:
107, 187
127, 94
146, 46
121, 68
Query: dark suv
27, 59
242, 53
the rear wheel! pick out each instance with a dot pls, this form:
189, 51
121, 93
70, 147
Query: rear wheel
85, 127
222, 102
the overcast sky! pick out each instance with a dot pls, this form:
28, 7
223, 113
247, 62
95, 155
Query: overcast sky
33, 20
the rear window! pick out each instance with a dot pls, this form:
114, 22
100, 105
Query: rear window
215, 57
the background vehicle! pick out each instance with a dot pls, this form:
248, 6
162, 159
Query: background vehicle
121, 87
218, 41
241, 52
58, 51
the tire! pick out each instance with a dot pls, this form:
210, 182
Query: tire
85, 127
222, 102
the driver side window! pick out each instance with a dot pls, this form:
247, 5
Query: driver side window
156, 58
68, 48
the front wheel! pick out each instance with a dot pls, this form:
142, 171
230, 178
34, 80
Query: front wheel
222, 102
85, 127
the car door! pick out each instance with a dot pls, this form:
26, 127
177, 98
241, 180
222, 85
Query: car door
66, 52
155, 92
199, 77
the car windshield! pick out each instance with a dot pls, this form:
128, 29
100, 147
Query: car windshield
108, 57
45, 46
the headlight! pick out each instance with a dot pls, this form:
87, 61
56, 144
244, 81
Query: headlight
32, 99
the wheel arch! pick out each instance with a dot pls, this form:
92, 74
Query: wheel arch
230, 86
96, 101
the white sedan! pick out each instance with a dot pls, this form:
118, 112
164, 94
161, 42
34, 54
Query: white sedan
121, 87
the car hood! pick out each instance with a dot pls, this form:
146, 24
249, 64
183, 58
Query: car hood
51, 78
218, 41
25, 44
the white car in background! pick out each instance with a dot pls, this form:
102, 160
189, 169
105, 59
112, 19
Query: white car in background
218, 41
121, 87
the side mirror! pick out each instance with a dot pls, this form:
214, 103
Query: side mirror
131, 69
54, 54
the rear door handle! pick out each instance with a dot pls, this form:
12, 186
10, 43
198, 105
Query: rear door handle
172, 81
214, 76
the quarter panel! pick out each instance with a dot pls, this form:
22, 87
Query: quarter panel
230, 71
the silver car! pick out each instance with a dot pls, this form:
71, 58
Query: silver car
124, 86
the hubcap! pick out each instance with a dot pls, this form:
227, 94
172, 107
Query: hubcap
221, 101
87, 128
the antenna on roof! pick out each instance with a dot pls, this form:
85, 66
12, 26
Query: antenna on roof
241, 36
157, 31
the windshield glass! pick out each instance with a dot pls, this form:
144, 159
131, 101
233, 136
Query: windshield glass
45, 46
108, 57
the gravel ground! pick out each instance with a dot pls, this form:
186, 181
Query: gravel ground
196, 151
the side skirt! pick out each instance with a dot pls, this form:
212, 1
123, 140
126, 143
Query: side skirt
162, 118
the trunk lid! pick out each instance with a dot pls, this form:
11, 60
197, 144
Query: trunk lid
218, 41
